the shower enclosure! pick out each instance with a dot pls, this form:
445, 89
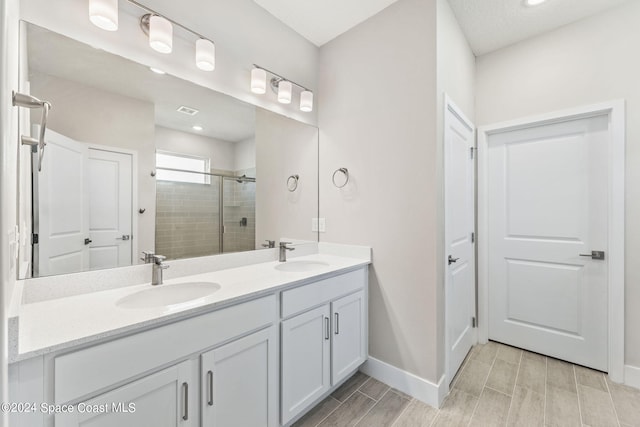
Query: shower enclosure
199, 214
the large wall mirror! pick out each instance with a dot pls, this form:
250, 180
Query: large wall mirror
137, 160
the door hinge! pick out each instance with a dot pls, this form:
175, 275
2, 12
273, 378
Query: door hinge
473, 237
471, 150
473, 322
34, 238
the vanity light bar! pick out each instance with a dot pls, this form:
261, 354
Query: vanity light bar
281, 85
159, 29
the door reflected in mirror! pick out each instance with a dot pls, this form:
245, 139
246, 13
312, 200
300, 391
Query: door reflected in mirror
138, 161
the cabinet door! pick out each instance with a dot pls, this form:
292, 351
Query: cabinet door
239, 382
159, 400
305, 360
348, 335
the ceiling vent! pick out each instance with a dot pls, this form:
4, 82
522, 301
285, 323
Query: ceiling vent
187, 110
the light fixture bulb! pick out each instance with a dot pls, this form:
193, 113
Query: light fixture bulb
157, 70
104, 14
534, 2
284, 92
197, 128
205, 55
306, 101
160, 34
258, 81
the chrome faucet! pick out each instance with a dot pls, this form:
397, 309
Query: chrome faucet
283, 251
158, 267
269, 244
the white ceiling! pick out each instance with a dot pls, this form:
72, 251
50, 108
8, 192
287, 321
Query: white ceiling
321, 21
492, 24
488, 24
221, 116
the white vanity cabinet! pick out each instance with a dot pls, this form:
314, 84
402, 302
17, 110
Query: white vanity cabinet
321, 346
160, 400
239, 382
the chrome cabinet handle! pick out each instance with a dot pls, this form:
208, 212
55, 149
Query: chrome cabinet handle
210, 388
326, 327
185, 395
337, 323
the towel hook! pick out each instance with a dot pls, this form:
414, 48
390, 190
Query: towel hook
343, 171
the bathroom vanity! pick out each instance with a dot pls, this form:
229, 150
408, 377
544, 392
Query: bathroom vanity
258, 346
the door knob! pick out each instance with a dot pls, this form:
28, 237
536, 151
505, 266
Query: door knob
124, 237
87, 241
452, 259
595, 255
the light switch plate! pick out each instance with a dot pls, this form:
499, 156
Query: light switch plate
322, 225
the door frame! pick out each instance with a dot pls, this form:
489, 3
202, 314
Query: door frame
450, 106
615, 111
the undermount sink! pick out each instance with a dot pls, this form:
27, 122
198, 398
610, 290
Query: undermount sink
301, 266
168, 295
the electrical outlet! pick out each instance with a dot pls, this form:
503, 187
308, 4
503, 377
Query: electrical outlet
314, 224
322, 225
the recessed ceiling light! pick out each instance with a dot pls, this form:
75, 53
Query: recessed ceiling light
534, 2
196, 127
157, 70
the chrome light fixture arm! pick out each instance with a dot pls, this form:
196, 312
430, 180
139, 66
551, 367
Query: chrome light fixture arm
28, 101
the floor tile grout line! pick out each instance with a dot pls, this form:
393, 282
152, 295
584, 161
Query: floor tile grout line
575, 379
370, 409
615, 411
401, 413
515, 384
546, 381
329, 414
493, 362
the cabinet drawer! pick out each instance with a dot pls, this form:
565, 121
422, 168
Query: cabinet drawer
300, 299
99, 367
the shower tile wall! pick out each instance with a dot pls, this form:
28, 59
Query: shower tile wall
187, 219
240, 202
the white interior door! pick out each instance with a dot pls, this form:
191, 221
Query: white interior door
459, 228
110, 177
547, 203
63, 214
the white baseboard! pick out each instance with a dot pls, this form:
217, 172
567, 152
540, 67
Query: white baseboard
419, 388
632, 376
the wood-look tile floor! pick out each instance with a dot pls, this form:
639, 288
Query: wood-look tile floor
497, 385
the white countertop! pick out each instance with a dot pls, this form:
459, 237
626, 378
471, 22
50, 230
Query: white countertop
62, 323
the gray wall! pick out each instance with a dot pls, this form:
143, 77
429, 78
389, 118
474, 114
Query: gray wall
590, 61
285, 147
377, 117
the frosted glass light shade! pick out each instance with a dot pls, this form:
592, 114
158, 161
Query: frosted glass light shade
205, 55
306, 101
104, 14
160, 34
284, 92
258, 81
